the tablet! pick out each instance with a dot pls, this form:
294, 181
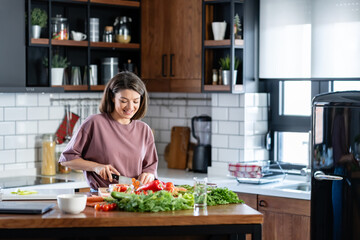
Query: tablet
25, 207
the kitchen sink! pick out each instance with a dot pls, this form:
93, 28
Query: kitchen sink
306, 187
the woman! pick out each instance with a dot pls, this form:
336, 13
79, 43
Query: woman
115, 141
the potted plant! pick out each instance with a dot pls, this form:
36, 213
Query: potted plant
225, 69
58, 64
38, 20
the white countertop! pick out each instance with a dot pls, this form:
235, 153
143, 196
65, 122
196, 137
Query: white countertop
180, 177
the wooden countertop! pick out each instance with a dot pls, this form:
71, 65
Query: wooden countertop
216, 215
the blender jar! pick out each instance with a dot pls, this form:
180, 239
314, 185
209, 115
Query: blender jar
59, 28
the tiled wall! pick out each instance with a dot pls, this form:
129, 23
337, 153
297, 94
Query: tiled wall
239, 124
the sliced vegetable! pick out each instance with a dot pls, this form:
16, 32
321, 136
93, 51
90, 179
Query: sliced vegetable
154, 186
24, 192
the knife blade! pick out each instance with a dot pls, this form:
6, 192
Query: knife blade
122, 179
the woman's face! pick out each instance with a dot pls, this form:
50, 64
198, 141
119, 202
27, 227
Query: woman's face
126, 103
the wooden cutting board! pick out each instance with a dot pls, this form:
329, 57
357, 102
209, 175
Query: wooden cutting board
177, 157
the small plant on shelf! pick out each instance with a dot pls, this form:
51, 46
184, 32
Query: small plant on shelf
225, 63
39, 17
56, 62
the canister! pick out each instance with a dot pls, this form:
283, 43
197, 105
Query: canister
48, 166
59, 28
94, 29
109, 68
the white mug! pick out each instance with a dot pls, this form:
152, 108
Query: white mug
219, 30
78, 36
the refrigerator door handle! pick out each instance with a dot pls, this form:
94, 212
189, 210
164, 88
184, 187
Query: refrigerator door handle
320, 175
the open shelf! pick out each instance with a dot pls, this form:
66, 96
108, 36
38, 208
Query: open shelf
217, 88
115, 45
97, 87
45, 41
118, 2
223, 43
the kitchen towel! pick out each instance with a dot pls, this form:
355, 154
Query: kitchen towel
61, 132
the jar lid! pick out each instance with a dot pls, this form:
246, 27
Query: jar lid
125, 19
108, 28
58, 18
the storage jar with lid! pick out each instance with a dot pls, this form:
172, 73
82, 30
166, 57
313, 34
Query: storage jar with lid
109, 68
59, 148
123, 29
48, 166
108, 35
59, 28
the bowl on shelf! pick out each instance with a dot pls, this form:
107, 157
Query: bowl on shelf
72, 203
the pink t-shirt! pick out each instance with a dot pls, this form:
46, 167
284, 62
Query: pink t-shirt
129, 148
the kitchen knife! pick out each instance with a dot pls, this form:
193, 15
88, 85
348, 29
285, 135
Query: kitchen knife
122, 179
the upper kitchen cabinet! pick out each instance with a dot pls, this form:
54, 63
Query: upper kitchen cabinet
171, 45
86, 41
230, 46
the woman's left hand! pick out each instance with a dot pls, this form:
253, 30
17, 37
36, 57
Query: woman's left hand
146, 178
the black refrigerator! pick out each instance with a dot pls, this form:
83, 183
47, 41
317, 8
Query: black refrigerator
335, 184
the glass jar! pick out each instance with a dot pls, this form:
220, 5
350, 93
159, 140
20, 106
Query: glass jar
48, 166
59, 28
59, 149
123, 29
108, 35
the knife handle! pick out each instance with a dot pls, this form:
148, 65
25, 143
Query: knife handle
115, 177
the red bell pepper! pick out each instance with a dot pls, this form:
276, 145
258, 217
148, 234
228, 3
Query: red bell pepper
154, 186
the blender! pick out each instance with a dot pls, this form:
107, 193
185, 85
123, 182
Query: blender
201, 130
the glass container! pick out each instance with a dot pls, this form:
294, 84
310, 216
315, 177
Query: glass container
59, 149
123, 29
108, 35
48, 166
59, 28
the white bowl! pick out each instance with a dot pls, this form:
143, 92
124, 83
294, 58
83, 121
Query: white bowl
71, 203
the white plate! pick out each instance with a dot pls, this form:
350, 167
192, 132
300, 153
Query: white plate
42, 194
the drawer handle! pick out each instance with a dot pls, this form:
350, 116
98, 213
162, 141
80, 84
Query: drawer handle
262, 203
163, 66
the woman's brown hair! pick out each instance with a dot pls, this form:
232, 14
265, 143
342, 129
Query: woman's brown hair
121, 81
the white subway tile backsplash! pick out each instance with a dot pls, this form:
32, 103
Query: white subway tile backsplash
204, 111
255, 141
249, 99
220, 141
220, 113
261, 127
160, 123
160, 147
229, 100
7, 99
25, 155
15, 166
26, 127
26, 99
1, 142
15, 142
248, 155
153, 111
249, 128
44, 99
214, 100
242, 128
236, 142
264, 114
253, 114
37, 113
236, 114
227, 127
190, 112
165, 136
197, 102
214, 127
7, 128
7, 156
74, 96
56, 112
12, 113
49, 126
177, 122
261, 154
214, 154
242, 100
228, 155
218, 169
1, 114
260, 99
169, 111
159, 95
31, 141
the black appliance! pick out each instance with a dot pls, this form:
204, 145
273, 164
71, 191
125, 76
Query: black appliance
201, 130
335, 187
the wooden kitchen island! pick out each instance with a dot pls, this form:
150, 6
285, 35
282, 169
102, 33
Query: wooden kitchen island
219, 222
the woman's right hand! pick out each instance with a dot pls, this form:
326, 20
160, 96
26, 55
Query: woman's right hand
105, 171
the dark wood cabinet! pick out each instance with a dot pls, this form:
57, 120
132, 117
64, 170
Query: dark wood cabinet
81, 53
284, 218
171, 45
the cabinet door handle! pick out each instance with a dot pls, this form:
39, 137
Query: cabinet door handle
171, 62
262, 203
163, 67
